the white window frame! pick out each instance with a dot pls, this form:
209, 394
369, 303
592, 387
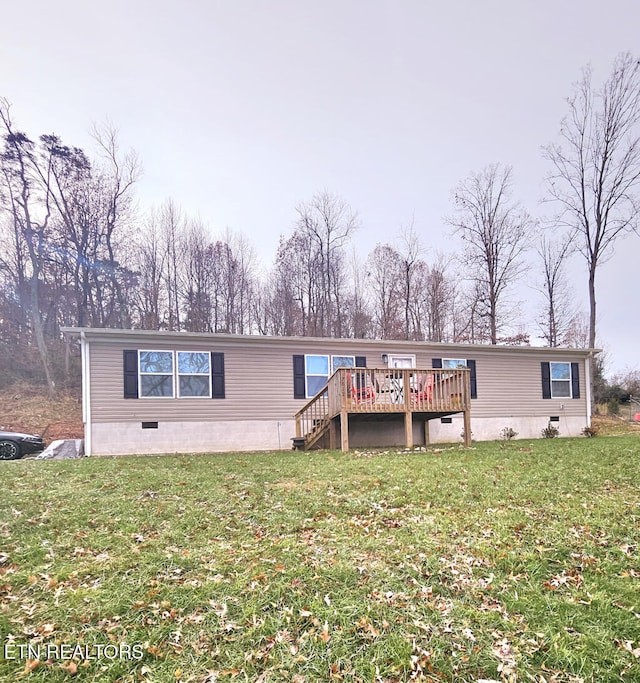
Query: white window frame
191, 374
391, 357
313, 374
175, 374
142, 374
568, 381
460, 363
330, 368
333, 368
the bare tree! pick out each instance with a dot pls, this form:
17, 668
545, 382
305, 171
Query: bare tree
293, 296
495, 234
149, 257
384, 276
470, 315
577, 334
236, 266
558, 306
328, 221
439, 294
197, 279
121, 172
358, 317
31, 214
596, 166
172, 229
411, 265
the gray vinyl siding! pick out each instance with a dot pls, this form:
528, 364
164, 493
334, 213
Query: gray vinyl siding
259, 376
510, 384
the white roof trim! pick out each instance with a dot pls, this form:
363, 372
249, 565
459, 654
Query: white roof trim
112, 333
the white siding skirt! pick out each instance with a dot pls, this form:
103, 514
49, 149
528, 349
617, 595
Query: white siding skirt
129, 438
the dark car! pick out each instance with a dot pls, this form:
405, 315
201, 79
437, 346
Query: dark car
14, 445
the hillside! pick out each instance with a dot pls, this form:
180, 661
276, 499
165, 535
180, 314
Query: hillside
26, 409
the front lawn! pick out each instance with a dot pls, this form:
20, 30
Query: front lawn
514, 561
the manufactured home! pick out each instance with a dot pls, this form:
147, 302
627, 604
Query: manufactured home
182, 392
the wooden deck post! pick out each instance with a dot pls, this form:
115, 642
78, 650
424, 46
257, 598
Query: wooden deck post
408, 429
408, 415
426, 433
344, 430
333, 436
467, 427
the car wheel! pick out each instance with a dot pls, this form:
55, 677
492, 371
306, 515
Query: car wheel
9, 450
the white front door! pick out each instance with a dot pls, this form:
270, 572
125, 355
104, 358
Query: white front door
396, 380
402, 361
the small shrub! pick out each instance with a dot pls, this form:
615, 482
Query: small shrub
550, 431
613, 407
590, 432
508, 433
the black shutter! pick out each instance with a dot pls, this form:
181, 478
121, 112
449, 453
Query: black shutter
360, 377
546, 380
299, 388
436, 363
575, 380
130, 373
217, 375
471, 364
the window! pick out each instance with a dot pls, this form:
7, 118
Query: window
454, 363
560, 380
342, 362
318, 369
194, 374
170, 374
156, 373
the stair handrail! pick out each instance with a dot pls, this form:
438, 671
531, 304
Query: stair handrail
315, 410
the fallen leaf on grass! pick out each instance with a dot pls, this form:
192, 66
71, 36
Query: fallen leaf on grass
628, 646
31, 665
70, 667
325, 636
46, 629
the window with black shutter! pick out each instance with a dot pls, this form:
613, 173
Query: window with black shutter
560, 380
438, 363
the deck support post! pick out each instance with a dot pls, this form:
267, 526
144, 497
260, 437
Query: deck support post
426, 433
408, 415
333, 436
467, 427
344, 430
408, 429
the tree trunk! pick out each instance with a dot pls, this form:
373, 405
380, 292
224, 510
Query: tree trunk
38, 332
592, 321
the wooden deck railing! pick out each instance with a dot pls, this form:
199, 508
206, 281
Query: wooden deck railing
390, 390
384, 390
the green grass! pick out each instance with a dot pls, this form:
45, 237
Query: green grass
508, 561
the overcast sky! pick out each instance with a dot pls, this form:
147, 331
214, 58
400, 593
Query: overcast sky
242, 109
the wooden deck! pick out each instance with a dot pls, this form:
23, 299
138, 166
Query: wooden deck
369, 391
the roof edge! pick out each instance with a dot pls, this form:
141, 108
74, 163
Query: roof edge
110, 332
